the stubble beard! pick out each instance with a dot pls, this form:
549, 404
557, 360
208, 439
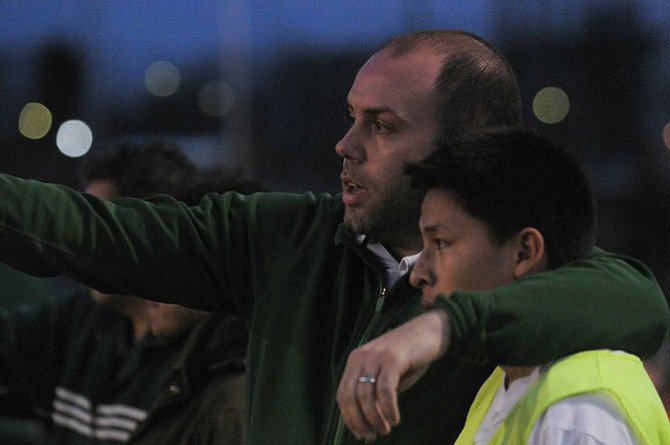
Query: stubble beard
392, 219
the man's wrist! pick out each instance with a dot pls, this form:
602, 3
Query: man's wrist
440, 318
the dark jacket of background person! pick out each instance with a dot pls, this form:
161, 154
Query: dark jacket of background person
202, 401
75, 357
311, 294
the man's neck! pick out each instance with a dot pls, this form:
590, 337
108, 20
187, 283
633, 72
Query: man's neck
395, 267
398, 251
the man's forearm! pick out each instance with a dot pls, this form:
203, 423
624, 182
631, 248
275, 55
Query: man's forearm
605, 301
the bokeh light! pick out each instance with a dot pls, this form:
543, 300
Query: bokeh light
74, 138
666, 136
35, 120
216, 98
162, 79
551, 105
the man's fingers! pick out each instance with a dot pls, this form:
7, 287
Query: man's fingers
366, 394
355, 379
387, 398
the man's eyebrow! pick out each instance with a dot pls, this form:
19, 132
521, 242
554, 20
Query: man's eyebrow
374, 110
378, 110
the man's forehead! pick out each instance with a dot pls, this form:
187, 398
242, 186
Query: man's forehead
386, 82
423, 65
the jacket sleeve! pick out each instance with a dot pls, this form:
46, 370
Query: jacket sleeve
604, 301
151, 249
204, 256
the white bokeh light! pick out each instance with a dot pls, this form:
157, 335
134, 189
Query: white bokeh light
74, 138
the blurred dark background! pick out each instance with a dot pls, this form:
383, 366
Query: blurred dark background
258, 87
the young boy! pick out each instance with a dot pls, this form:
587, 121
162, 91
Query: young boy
501, 206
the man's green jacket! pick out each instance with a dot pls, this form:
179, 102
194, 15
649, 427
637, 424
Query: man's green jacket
311, 294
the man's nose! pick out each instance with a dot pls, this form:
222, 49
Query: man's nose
349, 146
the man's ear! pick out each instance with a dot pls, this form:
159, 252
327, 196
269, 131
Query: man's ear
530, 252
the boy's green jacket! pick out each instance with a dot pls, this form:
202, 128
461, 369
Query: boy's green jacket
311, 294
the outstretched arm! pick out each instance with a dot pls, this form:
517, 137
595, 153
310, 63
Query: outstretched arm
155, 249
210, 256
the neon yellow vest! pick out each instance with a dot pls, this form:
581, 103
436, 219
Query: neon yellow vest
621, 377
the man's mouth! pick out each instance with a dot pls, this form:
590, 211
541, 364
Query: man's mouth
352, 187
352, 192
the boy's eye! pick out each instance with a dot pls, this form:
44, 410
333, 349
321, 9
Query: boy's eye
441, 244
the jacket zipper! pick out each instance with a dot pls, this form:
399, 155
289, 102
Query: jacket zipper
379, 304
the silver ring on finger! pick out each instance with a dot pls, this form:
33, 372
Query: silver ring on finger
367, 379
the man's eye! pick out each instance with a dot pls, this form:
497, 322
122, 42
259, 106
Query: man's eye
381, 128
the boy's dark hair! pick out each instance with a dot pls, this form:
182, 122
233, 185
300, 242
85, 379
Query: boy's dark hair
143, 169
510, 179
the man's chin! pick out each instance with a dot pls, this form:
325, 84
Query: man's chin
361, 223
354, 220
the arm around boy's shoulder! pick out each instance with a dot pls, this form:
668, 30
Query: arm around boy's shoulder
605, 301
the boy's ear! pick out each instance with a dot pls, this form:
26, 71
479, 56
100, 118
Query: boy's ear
530, 252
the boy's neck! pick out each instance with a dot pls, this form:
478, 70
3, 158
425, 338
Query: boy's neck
513, 373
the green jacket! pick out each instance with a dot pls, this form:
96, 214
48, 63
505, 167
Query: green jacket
78, 362
311, 294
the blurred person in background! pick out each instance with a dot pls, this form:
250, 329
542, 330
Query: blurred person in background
114, 368
18, 425
316, 275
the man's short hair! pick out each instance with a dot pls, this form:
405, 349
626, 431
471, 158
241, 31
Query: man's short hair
142, 169
512, 178
476, 87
